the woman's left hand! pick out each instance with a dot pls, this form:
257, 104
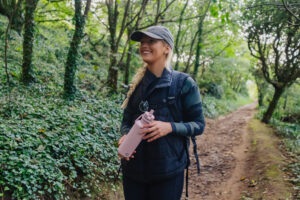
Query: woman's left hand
156, 129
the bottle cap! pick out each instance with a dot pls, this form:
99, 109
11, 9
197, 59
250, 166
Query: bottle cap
148, 116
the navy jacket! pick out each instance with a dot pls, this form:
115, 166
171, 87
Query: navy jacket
166, 156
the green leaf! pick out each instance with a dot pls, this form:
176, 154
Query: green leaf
96, 67
214, 11
223, 19
227, 17
220, 6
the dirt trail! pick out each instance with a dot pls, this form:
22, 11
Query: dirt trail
231, 162
222, 152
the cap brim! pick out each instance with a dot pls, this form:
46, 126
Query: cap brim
137, 36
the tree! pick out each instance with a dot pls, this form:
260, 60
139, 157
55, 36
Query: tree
261, 85
11, 8
273, 38
178, 35
113, 13
27, 71
71, 65
292, 7
10, 21
199, 41
130, 29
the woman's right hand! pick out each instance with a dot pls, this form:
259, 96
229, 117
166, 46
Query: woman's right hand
120, 142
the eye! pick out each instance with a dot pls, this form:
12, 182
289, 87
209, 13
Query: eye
152, 41
143, 41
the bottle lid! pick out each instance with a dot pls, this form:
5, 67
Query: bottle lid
148, 116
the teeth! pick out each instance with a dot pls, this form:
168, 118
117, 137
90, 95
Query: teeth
146, 52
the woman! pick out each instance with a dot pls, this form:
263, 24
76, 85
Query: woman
156, 170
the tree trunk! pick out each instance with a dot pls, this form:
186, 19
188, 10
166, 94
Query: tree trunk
71, 65
126, 73
112, 80
268, 114
176, 47
7, 8
187, 67
27, 71
18, 20
197, 61
260, 99
285, 101
7, 36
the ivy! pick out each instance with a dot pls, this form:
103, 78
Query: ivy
49, 146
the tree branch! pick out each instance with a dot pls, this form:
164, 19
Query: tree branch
138, 13
123, 27
52, 20
6, 38
287, 8
87, 8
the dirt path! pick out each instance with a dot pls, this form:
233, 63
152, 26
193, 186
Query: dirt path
222, 151
231, 164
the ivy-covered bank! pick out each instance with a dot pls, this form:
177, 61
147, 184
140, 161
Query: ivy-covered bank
56, 149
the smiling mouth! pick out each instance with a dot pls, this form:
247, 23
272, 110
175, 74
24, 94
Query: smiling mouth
146, 52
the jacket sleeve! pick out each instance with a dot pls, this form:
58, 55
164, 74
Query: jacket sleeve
127, 121
193, 119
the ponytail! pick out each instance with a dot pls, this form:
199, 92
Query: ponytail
135, 81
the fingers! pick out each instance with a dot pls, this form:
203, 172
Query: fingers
149, 135
149, 130
127, 158
154, 138
121, 140
153, 123
148, 125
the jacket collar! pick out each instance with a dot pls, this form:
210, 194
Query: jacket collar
164, 81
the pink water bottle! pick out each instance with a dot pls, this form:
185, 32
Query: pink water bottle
134, 137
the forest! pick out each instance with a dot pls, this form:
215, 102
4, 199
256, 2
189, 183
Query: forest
66, 66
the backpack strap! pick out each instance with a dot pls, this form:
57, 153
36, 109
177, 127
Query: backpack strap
174, 92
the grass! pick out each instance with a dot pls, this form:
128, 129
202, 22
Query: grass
214, 107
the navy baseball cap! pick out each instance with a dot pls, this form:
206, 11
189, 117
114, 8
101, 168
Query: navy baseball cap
156, 32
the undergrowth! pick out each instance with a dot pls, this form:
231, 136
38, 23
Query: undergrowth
49, 146
214, 107
290, 132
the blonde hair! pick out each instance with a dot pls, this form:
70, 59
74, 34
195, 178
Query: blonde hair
140, 74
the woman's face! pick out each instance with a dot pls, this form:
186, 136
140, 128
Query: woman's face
153, 50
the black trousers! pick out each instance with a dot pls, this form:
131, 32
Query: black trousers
169, 189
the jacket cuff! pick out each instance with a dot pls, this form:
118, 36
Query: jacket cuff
173, 127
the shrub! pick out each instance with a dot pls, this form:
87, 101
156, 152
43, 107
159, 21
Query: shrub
212, 89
